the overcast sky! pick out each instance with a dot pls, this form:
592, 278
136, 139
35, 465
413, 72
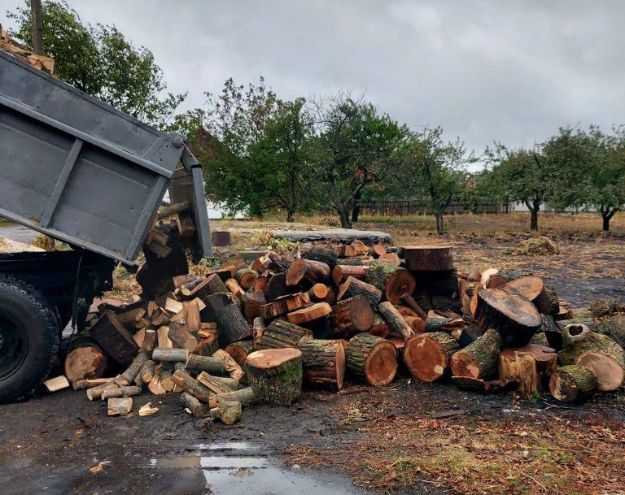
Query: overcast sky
512, 71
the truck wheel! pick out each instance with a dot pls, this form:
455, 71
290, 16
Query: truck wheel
29, 339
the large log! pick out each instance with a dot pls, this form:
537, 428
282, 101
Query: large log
513, 316
597, 352
427, 356
213, 284
326, 256
395, 320
614, 327
428, 257
252, 303
310, 270
533, 289
572, 383
479, 358
393, 281
85, 360
276, 287
230, 321
114, 339
280, 334
354, 287
275, 375
351, 316
323, 362
371, 359
313, 312
529, 366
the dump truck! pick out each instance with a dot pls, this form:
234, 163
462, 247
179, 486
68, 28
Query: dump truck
92, 177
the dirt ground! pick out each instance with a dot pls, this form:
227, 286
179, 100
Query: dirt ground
405, 438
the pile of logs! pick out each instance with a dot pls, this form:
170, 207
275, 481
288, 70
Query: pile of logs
260, 332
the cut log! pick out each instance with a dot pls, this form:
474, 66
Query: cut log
149, 341
276, 287
326, 256
313, 312
355, 248
191, 311
393, 281
492, 279
427, 356
533, 289
233, 286
218, 384
395, 320
428, 257
572, 383
280, 334
371, 359
240, 350
597, 352
197, 409
302, 269
147, 371
96, 392
351, 316
514, 317
190, 385
119, 406
114, 339
209, 364
278, 263
230, 321
530, 366
284, 304
128, 391
90, 383
244, 395
230, 365
57, 383
612, 326
213, 284
275, 375
379, 328
246, 278
85, 361
410, 302
170, 355
377, 250
479, 358
552, 331
354, 287
261, 264
319, 292
228, 412
341, 272
323, 362
181, 338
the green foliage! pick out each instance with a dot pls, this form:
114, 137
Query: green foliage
102, 62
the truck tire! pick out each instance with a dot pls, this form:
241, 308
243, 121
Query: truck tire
29, 339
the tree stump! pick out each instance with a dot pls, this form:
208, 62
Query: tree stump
313, 312
354, 287
280, 334
323, 362
431, 258
275, 375
572, 383
427, 356
530, 366
351, 316
372, 359
302, 269
533, 289
514, 317
392, 280
479, 358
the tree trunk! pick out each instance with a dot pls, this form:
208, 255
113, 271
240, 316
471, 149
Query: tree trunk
440, 224
606, 222
290, 215
344, 217
356, 207
351, 316
533, 219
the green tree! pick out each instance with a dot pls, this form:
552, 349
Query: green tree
353, 151
435, 169
102, 62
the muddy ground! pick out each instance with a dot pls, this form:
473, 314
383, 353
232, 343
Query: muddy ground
406, 438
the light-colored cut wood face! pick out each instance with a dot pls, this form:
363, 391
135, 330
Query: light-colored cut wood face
381, 364
608, 371
270, 358
425, 358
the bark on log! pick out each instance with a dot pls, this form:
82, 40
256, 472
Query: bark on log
244, 395
428, 257
614, 327
341, 272
530, 366
393, 281
572, 383
205, 363
552, 331
351, 316
410, 302
276, 287
190, 385
230, 321
427, 356
228, 412
128, 391
302, 269
515, 318
275, 375
218, 384
326, 256
354, 287
96, 392
170, 355
213, 284
371, 359
313, 312
197, 409
379, 328
280, 334
285, 304
246, 278
323, 362
114, 339
395, 320
135, 367
479, 358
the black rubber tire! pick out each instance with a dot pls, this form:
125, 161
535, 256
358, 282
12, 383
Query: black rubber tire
37, 324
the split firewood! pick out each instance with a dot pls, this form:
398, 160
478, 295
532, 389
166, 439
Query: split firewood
478, 359
159, 318
379, 328
427, 356
393, 281
280, 334
395, 320
57, 383
319, 292
218, 384
326, 256
119, 406
572, 383
128, 391
213, 284
233, 286
341, 272
428, 257
284, 304
513, 316
135, 367
310, 313
240, 350
84, 360
172, 306
230, 365
96, 392
377, 250
261, 264
246, 278
351, 316
154, 386
371, 359
209, 364
167, 380
252, 304
392, 258
355, 248
323, 362
258, 328
530, 366
244, 395
190, 385
170, 355
181, 338
147, 410
230, 321
162, 337
310, 270
114, 339
228, 412
275, 375
354, 287
197, 409
191, 310
533, 289
597, 352
147, 371
139, 337
149, 341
